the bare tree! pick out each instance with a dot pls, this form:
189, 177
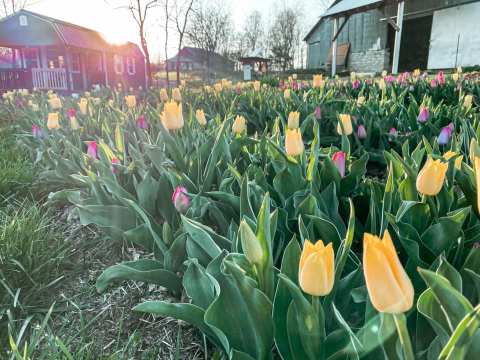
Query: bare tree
139, 9
166, 9
210, 29
253, 31
182, 12
9, 7
283, 36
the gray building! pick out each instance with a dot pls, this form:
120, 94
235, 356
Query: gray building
428, 34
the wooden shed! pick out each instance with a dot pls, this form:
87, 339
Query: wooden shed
397, 35
40, 52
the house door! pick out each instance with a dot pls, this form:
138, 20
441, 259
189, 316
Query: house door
94, 69
76, 60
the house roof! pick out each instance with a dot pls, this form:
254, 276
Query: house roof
351, 6
193, 54
46, 31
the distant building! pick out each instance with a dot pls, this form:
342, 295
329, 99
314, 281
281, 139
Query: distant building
431, 34
195, 59
40, 52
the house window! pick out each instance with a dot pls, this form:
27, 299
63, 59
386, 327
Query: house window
75, 62
32, 59
23, 20
55, 58
10, 58
131, 69
118, 64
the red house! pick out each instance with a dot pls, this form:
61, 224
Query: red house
40, 52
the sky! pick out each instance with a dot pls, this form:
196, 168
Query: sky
118, 26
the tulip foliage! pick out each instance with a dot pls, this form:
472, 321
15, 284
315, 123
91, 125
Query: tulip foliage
331, 219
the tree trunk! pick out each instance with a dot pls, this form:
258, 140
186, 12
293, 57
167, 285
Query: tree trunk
147, 62
178, 65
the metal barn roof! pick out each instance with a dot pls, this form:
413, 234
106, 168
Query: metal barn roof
350, 6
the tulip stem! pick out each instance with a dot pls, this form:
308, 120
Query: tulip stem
401, 324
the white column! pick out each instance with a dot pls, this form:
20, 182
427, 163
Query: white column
334, 47
398, 37
105, 67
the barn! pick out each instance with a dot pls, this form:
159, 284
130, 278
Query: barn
394, 35
40, 52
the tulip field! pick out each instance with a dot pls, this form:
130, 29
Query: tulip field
285, 219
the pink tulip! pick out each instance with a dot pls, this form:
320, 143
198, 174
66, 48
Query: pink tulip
389, 79
92, 149
423, 115
355, 84
318, 113
180, 199
71, 112
393, 132
445, 134
115, 161
361, 132
36, 131
339, 160
441, 78
142, 122
433, 83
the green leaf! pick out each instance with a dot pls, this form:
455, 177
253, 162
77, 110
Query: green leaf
198, 285
149, 271
200, 237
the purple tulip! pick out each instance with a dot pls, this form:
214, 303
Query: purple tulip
142, 122
339, 160
423, 115
318, 113
361, 132
389, 79
36, 131
71, 112
444, 136
180, 199
355, 84
92, 149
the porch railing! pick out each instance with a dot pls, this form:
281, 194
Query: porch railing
14, 79
50, 79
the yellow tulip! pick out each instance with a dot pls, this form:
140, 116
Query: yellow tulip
432, 176
317, 81
163, 95
256, 85
239, 125
458, 161
455, 77
346, 121
200, 115
53, 121
416, 73
382, 85
468, 101
74, 123
294, 76
293, 120
172, 116
55, 103
131, 101
286, 94
384, 73
293, 142
83, 105
177, 95
361, 100
389, 287
477, 179
218, 87
316, 273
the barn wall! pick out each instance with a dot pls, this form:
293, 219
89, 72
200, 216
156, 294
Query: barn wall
365, 33
413, 6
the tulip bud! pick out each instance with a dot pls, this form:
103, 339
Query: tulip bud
431, 178
346, 122
423, 115
286, 94
316, 273
177, 95
217, 87
444, 136
142, 122
455, 77
115, 162
200, 115
355, 84
317, 81
53, 121
36, 131
180, 199
293, 120
393, 132
92, 149
389, 287
172, 116
251, 246
131, 101
339, 160
163, 95
468, 101
256, 85
361, 132
74, 123
55, 103
71, 112
239, 125
361, 100
293, 142
458, 161
318, 113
